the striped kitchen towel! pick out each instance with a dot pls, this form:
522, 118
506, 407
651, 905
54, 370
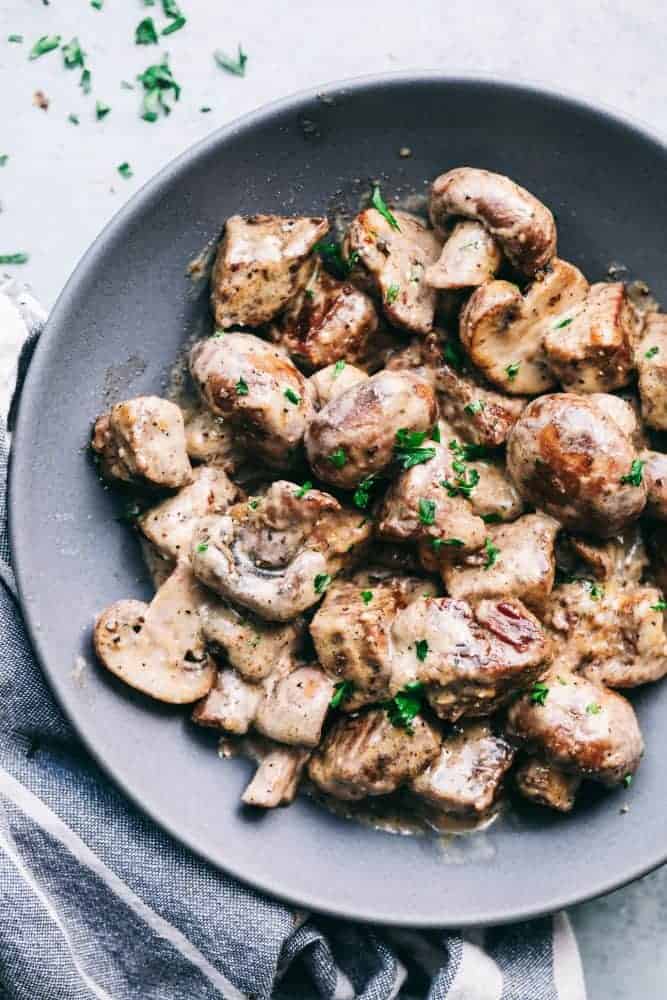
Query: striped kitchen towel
97, 902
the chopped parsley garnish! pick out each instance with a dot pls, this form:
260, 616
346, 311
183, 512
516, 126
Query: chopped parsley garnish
145, 32
16, 39
538, 693
593, 708
635, 475
171, 9
421, 649
241, 387
408, 450
468, 452
235, 66
465, 482
362, 494
477, 406
627, 780
405, 706
427, 511
3, 159
292, 396
455, 543
562, 323
202, 547
73, 54
332, 255
175, 25
338, 367
125, 170
302, 490
596, 590
85, 81
74, 119
254, 504
205, 111
14, 258
338, 458
492, 518
367, 596
492, 552
378, 203
158, 82
660, 606
101, 110
453, 355
97, 4
47, 43
342, 691
392, 294
435, 433
513, 370
652, 351
321, 582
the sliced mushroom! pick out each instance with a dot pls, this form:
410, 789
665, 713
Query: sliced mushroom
593, 349
169, 526
253, 647
142, 441
333, 380
651, 360
230, 705
354, 436
256, 387
158, 648
522, 225
277, 777
504, 331
469, 257
276, 555
395, 257
546, 785
262, 262
212, 440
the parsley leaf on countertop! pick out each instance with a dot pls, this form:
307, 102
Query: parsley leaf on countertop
14, 258
47, 43
235, 66
145, 33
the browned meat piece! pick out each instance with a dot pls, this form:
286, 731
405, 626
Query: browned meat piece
474, 410
395, 258
328, 321
254, 386
655, 474
623, 557
231, 704
253, 647
143, 441
365, 755
351, 631
495, 497
354, 436
469, 257
424, 502
570, 459
333, 380
504, 331
625, 411
522, 225
466, 779
211, 440
262, 262
158, 648
276, 779
277, 554
656, 540
169, 526
594, 351
547, 785
471, 661
613, 633
651, 361
579, 726
517, 561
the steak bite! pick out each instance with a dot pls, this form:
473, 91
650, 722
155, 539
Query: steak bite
471, 662
252, 646
211, 439
655, 474
579, 726
546, 785
365, 754
355, 435
258, 390
466, 779
594, 352
142, 441
570, 459
395, 257
276, 554
262, 262
522, 226
651, 360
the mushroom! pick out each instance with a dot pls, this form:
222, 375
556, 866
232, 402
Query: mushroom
276, 554
395, 255
333, 380
253, 647
211, 439
651, 361
522, 225
276, 779
469, 257
540, 782
158, 648
262, 262
503, 331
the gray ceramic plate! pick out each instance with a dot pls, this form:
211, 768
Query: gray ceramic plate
115, 333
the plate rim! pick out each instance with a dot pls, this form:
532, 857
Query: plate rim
19, 537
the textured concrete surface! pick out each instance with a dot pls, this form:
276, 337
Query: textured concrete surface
60, 184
